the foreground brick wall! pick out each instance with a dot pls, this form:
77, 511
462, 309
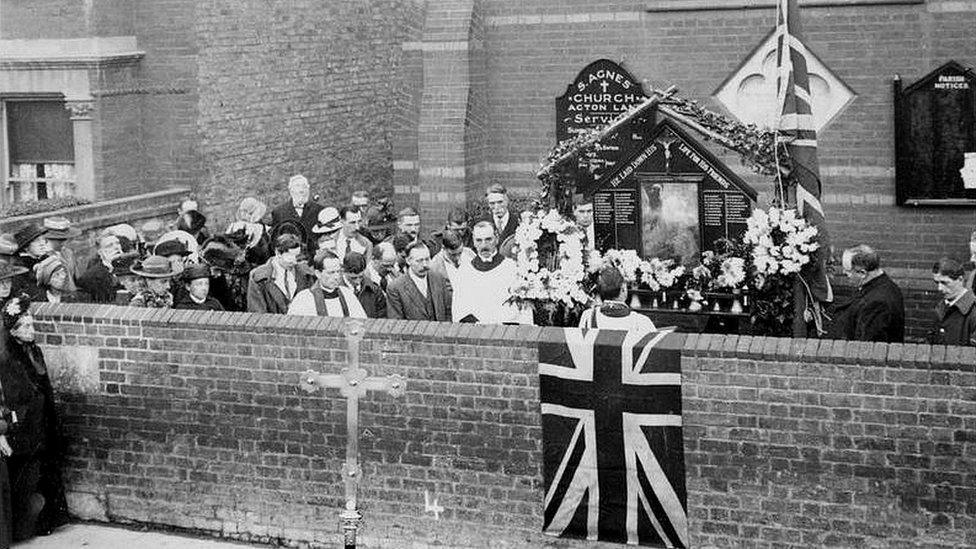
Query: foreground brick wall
195, 420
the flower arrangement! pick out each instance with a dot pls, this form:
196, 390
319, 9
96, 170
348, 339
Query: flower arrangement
660, 274
550, 265
626, 261
781, 241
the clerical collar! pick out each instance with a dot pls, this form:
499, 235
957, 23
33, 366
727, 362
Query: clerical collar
330, 294
483, 266
614, 309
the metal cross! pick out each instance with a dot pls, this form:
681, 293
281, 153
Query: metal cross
352, 382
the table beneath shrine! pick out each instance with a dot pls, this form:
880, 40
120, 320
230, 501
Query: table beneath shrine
699, 322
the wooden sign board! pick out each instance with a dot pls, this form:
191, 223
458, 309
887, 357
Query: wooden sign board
671, 199
599, 94
935, 126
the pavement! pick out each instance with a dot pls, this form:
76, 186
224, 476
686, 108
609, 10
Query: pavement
98, 536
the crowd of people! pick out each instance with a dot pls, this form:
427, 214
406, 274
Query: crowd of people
304, 258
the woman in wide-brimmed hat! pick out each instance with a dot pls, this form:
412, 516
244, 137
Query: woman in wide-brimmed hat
35, 449
156, 271
32, 246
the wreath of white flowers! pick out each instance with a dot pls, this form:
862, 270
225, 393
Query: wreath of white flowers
782, 242
561, 283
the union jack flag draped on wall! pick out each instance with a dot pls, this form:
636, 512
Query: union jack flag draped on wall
797, 126
611, 435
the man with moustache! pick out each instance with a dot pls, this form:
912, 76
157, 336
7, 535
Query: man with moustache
483, 284
419, 294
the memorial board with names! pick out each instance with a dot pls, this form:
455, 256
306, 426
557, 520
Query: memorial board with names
599, 94
935, 128
671, 199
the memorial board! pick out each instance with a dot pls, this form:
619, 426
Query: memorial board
935, 126
672, 199
599, 94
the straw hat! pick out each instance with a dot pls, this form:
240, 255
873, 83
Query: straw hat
154, 266
59, 228
329, 221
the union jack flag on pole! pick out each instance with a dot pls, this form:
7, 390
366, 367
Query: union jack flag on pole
613, 453
797, 127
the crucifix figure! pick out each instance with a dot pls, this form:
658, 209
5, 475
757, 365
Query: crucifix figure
352, 382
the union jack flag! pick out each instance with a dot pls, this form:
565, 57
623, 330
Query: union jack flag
796, 124
611, 433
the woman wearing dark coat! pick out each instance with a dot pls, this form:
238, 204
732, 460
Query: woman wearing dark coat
37, 496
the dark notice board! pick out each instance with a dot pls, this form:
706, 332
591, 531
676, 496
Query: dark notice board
672, 198
935, 125
599, 94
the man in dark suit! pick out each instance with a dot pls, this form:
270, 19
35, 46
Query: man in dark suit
419, 294
272, 286
504, 220
298, 208
878, 311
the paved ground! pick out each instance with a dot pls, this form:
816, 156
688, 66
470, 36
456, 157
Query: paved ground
96, 536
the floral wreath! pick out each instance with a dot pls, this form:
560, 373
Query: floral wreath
560, 273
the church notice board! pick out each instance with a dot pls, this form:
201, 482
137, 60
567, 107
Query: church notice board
935, 128
671, 199
601, 92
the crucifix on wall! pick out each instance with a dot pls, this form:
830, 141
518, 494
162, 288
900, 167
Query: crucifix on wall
352, 382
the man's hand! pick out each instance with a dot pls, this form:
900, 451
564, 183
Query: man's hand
5, 448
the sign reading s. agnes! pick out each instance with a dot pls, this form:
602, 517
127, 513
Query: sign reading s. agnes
599, 94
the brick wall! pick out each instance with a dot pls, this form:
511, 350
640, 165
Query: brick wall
296, 88
195, 420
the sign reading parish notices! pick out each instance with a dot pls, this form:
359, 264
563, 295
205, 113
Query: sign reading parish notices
935, 128
599, 94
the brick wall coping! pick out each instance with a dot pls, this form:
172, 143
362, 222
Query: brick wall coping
108, 212
906, 355
710, 5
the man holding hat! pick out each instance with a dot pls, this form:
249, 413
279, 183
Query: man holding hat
196, 280
59, 231
157, 271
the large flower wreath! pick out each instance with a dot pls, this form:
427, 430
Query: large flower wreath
550, 268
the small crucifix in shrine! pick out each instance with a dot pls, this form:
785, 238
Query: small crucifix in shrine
352, 382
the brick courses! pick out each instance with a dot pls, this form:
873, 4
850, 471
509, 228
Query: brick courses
198, 422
